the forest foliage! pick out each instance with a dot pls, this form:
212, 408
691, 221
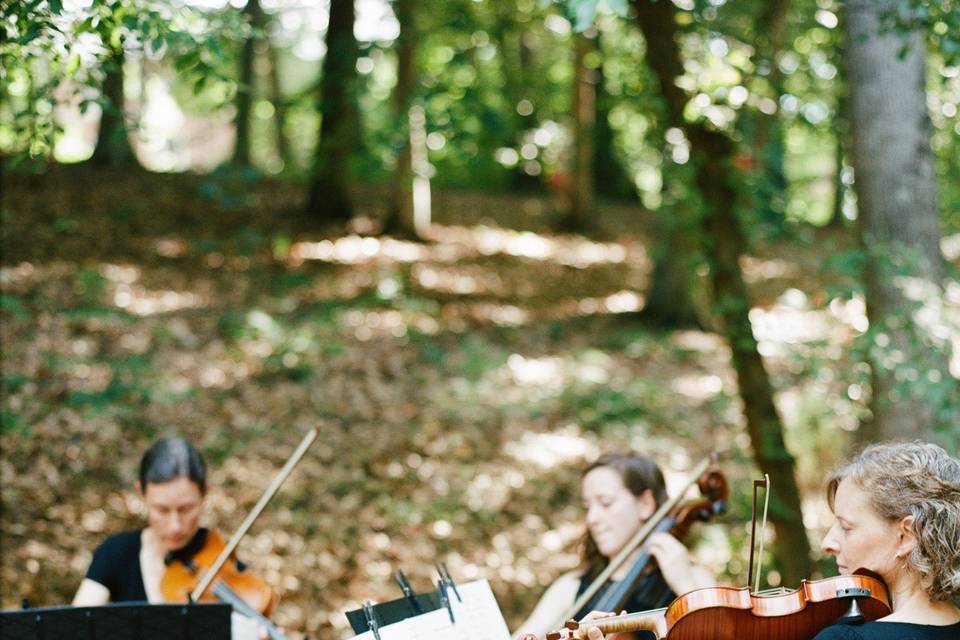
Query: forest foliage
462, 376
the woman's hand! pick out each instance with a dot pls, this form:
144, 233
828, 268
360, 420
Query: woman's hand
680, 573
593, 633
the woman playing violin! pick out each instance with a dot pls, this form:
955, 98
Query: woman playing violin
130, 565
897, 509
620, 492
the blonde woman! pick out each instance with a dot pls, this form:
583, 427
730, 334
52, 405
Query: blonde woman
897, 509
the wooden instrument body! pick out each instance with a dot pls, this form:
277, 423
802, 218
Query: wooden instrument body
181, 578
729, 613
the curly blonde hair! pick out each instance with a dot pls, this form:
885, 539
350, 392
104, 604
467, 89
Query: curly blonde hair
920, 480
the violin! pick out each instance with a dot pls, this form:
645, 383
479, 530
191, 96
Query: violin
186, 565
673, 517
207, 569
245, 591
730, 613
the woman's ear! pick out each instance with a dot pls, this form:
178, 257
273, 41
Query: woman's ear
908, 539
648, 504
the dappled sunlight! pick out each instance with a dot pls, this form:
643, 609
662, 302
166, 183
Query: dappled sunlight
356, 249
16, 275
792, 321
541, 372
460, 280
758, 269
952, 298
143, 302
139, 300
697, 388
547, 450
455, 243
950, 246
573, 251
170, 247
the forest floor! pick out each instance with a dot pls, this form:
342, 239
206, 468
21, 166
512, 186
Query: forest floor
460, 383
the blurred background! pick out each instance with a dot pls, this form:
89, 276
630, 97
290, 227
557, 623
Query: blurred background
479, 242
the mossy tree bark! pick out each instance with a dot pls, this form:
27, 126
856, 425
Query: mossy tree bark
329, 199
724, 243
898, 220
113, 146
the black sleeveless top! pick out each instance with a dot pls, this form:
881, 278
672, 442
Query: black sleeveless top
116, 565
652, 593
890, 631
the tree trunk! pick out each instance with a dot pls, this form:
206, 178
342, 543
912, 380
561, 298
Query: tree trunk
244, 98
771, 199
610, 179
279, 105
113, 147
724, 243
329, 198
581, 197
898, 222
841, 127
400, 216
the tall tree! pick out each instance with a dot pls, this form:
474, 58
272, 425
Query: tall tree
400, 215
724, 243
329, 198
898, 220
279, 103
113, 146
244, 99
580, 205
610, 178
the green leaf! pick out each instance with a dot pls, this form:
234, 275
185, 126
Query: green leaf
74, 64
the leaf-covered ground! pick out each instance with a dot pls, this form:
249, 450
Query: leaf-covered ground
460, 384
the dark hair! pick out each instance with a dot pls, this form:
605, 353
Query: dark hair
172, 458
639, 473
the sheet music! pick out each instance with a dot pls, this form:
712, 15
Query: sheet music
478, 617
432, 625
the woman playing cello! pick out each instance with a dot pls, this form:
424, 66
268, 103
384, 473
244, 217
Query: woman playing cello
897, 509
620, 492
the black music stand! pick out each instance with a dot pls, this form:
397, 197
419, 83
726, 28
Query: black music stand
119, 621
392, 611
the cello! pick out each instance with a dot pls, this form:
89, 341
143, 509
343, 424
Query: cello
672, 516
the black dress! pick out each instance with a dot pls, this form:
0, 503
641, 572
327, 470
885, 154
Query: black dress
890, 631
116, 565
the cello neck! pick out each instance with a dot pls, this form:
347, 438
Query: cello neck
616, 594
638, 538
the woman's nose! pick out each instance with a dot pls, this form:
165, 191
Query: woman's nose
830, 545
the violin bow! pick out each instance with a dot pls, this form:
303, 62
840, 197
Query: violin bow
765, 483
638, 538
231, 546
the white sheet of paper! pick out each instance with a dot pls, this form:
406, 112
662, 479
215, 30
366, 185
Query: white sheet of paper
434, 625
478, 617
